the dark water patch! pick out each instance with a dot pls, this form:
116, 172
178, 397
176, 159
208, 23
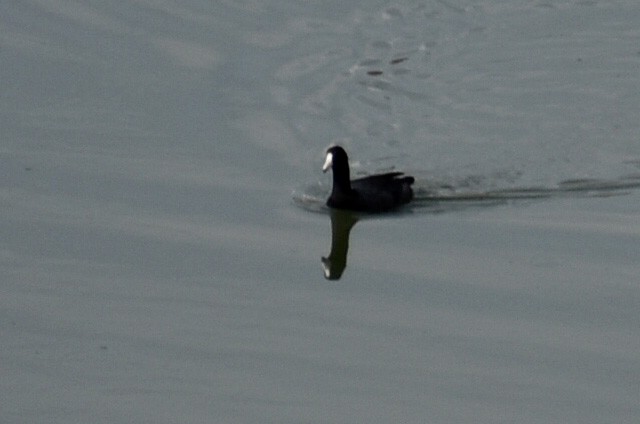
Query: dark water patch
398, 60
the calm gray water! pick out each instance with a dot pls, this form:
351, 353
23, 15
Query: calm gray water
163, 240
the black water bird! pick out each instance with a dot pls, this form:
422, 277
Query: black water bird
375, 193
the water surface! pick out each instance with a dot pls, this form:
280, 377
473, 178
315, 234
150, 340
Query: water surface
163, 229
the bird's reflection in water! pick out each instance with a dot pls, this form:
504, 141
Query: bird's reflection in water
341, 224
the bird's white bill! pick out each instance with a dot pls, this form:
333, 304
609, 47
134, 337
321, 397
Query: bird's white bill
327, 162
327, 270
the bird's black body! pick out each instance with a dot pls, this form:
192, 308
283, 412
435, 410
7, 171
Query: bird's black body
376, 193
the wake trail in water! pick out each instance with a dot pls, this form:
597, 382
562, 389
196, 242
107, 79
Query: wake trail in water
440, 197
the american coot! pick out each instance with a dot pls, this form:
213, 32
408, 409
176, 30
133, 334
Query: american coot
376, 193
